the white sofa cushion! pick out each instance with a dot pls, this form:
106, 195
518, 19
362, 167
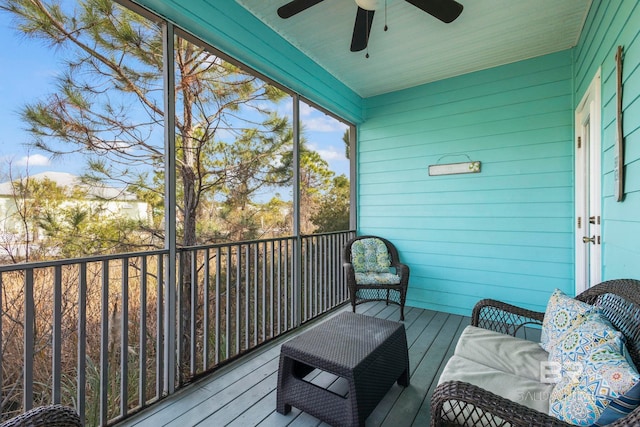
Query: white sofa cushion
503, 352
526, 391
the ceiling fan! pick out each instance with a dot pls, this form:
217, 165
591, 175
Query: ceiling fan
444, 10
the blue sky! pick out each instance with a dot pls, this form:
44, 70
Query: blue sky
27, 73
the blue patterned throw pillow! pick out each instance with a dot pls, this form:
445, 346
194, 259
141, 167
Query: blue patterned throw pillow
562, 313
586, 396
580, 341
597, 384
370, 256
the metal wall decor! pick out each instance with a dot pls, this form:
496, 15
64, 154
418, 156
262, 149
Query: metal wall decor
618, 168
454, 168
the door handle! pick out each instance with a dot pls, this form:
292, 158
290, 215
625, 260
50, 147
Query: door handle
586, 239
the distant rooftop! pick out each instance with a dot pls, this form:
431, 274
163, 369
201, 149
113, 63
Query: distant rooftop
66, 180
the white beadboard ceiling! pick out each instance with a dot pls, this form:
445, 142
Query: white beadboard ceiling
418, 48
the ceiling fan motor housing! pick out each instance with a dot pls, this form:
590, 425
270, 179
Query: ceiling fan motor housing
370, 4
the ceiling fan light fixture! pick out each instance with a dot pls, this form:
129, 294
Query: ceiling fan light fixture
370, 4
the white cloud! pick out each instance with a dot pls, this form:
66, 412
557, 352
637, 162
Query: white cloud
329, 153
34, 160
316, 121
306, 110
323, 124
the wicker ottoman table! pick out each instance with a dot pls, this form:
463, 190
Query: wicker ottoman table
370, 353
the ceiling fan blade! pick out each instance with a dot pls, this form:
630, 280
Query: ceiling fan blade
295, 7
445, 10
361, 29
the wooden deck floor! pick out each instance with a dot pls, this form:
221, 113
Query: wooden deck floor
244, 393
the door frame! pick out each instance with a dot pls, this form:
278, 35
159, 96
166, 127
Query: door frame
588, 256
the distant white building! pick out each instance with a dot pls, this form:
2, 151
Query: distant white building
98, 198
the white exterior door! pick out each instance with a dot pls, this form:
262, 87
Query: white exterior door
588, 238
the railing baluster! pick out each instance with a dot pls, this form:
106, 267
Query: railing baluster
179, 321
104, 345
343, 285
192, 311
206, 308
247, 295
160, 277
318, 267
227, 326
29, 334
82, 339
56, 338
264, 291
142, 343
217, 325
279, 285
316, 291
329, 270
272, 257
309, 284
293, 322
238, 335
287, 297
338, 269
335, 257
303, 277
124, 339
323, 272
296, 282
310, 296
322, 286
255, 294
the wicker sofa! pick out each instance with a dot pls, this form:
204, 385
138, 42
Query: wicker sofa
457, 401
46, 416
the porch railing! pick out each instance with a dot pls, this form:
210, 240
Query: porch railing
90, 332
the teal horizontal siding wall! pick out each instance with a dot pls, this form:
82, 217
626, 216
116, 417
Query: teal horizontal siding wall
229, 27
608, 25
505, 233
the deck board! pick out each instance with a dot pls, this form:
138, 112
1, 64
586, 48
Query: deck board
424, 414
243, 393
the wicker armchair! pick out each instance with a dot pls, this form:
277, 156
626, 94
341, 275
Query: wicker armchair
374, 272
46, 416
619, 301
